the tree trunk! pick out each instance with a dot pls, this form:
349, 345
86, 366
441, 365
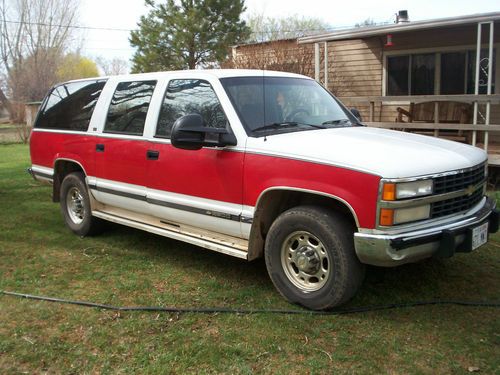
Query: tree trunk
191, 58
6, 103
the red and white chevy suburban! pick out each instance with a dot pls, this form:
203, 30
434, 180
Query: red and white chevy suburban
259, 163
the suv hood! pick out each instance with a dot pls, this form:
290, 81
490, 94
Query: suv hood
387, 153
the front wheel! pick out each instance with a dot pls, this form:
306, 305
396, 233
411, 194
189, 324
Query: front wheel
310, 257
75, 206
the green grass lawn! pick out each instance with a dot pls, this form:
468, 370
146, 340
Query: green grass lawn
38, 255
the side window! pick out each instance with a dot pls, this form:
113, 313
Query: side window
186, 96
70, 106
129, 107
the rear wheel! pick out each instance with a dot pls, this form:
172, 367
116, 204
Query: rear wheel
75, 206
310, 257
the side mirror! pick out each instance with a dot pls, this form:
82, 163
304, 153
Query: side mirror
190, 133
356, 114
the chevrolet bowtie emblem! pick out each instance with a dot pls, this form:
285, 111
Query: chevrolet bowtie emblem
470, 190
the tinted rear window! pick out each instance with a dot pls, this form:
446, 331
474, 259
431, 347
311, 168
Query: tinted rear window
70, 106
129, 107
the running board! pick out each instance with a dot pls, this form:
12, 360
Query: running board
202, 241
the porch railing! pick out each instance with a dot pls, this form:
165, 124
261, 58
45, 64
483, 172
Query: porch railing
406, 100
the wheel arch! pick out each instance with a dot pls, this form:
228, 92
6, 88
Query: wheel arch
63, 167
276, 200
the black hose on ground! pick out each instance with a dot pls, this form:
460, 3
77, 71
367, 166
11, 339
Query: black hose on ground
213, 310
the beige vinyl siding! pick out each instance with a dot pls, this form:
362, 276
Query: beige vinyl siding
355, 68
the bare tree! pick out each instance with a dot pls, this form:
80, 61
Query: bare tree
366, 23
280, 55
112, 67
265, 29
34, 34
287, 56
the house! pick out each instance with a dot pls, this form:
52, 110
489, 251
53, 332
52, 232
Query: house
435, 62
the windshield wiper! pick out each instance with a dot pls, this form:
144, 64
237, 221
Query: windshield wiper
337, 122
286, 124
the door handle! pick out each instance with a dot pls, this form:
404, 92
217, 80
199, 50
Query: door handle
152, 155
99, 147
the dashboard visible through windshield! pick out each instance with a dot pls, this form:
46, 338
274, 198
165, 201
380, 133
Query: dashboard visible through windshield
273, 105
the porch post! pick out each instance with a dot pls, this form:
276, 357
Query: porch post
326, 65
316, 62
476, 83
490, 73
436, 117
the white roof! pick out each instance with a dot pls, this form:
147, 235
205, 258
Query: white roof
200, 73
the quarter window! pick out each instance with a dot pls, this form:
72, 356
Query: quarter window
188, 96
129, 107
70, 106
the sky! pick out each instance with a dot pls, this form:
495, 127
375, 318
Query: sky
125, 14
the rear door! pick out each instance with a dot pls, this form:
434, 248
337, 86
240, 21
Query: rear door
198, 188
121, 150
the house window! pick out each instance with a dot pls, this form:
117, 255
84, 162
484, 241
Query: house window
411, 74
397, 67
483, 71
422, 74
415, 74
453, 73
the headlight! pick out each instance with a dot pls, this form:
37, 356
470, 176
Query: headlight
413, 189
394, 216
393, 213
404, 215
403, 190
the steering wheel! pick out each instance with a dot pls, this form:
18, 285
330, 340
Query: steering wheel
295, 112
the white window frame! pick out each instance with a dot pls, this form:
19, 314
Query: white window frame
437, 69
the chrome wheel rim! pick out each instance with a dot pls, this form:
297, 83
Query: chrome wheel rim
305, 261
74, 204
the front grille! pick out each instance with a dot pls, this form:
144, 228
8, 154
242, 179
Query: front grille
467, 184
459, 181
456, 205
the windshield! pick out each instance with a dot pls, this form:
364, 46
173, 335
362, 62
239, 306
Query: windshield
270, 105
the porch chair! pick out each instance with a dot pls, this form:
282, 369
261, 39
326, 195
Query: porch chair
450, 112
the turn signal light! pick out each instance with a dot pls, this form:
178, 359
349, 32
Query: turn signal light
389, 192
386, 217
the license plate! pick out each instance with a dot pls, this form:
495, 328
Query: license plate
479, 235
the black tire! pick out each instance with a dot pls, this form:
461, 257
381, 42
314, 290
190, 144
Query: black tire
75, 206
310, 257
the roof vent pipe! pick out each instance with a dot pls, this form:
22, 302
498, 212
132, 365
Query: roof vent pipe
402, 16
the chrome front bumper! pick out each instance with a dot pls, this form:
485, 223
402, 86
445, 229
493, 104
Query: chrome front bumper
443, 240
